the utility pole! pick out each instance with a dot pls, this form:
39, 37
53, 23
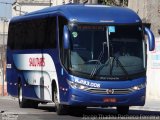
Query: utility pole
50, 3
4, 19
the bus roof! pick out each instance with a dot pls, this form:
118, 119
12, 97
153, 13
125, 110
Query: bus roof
86, 14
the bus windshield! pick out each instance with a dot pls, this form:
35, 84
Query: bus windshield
107, 51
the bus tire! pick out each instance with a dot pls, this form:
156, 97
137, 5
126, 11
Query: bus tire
22, 102
60, 108
77, 110
123, 110
32, 104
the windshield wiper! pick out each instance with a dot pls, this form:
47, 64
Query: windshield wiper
111, 61
120, 64
98, 63
96, 66
100, 68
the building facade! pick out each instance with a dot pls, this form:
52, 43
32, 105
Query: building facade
149, 11
3, 32
21, 7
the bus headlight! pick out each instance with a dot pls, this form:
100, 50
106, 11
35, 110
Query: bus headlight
77, 85
138, 87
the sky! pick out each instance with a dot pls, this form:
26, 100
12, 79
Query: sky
5, 9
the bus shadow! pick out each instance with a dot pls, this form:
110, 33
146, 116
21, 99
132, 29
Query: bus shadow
106, 113
47, 108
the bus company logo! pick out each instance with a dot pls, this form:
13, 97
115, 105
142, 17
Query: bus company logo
87, 83
109, 91
37, 62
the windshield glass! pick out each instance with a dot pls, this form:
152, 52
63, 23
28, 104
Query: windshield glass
107, 51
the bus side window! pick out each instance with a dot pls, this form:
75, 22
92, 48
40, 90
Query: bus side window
11, 33
27, 36
19, 36
50, 33
39, 33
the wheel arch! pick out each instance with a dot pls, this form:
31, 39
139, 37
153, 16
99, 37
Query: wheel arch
55, 86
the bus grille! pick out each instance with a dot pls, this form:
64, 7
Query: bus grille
109, 91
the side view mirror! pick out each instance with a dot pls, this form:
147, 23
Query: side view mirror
66, 43
151, 39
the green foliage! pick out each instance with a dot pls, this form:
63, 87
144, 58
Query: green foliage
114, 2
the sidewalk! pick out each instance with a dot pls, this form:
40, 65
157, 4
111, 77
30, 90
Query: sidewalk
8, 98
150, 105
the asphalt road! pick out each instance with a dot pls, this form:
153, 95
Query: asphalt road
9, 110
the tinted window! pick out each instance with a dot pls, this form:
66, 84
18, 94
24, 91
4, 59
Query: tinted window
29, 35
35, 34
50, 33
19, 36
11, 35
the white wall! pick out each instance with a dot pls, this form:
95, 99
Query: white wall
153, 72
149, 11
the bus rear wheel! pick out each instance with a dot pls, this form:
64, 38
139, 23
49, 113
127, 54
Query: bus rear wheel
24, 103
60, 108
123, 110
21, 100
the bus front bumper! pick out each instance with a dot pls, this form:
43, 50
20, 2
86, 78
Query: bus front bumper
83, 98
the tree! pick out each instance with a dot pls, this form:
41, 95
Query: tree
114, 2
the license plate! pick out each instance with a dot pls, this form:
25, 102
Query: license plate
110, 100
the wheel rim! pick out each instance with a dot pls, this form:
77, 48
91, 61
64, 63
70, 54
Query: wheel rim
20, 94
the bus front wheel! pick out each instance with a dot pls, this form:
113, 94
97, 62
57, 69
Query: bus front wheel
60, 109
123, 110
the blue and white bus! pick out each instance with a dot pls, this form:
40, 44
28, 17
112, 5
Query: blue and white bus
78, 56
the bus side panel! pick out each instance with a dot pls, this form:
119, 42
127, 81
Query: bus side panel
15, 77
63, 85
36, 82
59, 75
28, 90
37, 71
11, 75
55, 72
38, 85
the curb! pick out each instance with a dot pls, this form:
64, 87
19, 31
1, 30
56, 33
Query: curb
145, 108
